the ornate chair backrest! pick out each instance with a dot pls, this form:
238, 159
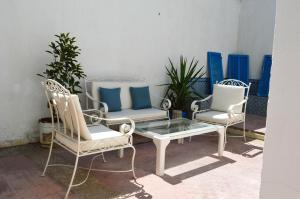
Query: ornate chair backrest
235, 82
64, 107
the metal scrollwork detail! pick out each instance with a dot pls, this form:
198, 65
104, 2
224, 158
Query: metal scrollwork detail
125, 128
54, 86
233, 82
166, 104
93, 119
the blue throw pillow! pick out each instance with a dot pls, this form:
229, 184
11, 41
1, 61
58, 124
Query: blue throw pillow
140, 97
111, 96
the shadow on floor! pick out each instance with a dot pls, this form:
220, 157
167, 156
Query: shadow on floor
183, 162
247, 149
197, 171
254, 123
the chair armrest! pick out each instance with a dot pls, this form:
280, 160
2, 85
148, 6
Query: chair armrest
94, 112
90, 110
105, 107
195, 107
124, 128
230, 110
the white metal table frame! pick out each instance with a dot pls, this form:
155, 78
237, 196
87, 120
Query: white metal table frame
162, 141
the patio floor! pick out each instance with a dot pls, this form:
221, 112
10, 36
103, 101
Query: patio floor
193, 171
254, 123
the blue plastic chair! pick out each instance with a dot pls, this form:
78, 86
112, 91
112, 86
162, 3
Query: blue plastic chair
215, 68
238, 67
264, 82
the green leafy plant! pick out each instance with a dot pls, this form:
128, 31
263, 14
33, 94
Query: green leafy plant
180, 90
65, 68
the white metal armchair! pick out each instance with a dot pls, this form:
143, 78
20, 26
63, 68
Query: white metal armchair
228, 106
75, 136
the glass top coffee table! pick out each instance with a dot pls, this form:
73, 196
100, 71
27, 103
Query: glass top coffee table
162, 132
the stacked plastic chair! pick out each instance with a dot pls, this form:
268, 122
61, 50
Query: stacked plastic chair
238, 67
215, 68
264, 82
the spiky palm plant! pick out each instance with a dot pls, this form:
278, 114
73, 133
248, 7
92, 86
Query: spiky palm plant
181, 90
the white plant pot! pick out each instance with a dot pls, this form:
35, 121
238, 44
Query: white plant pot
45, 133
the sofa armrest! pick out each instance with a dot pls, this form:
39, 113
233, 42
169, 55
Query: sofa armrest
165, 103
104, 107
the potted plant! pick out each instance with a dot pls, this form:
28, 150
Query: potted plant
66, 70
180, 89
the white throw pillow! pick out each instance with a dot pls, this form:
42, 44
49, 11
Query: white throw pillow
226, 95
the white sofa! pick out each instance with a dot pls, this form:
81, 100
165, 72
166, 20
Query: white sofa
154, 113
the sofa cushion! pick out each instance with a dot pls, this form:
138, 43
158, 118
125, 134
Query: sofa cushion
140, 97
226, 95
111, 96
138, 115
218, 117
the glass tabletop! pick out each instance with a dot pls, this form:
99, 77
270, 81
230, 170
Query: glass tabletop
165, 127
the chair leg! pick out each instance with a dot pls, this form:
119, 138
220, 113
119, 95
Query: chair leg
225, 136
132, 162
73, 176
121, 153
49, 156
244, 131
103, 157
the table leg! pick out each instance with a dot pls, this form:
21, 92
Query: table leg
221, 132
161, 145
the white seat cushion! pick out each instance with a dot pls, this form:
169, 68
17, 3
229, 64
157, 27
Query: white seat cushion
102, 137
138, 115
226, 95
218, 117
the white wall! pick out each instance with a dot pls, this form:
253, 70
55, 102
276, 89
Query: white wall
117, 38
256, 30
280, 177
